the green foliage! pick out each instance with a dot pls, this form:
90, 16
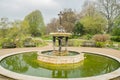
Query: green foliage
100, 44
88, 44
75, 42
39, 42
110, 9
116, 31
8, 43
28, 42
100, 39
94, 24
19, 30
88, 36
33, 42
36, 23
78, 29
46, 37
115, 38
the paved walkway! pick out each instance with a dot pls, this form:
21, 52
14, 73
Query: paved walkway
111, 52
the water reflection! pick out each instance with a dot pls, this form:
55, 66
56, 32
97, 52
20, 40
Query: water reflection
28, 64
15, 63
96, 65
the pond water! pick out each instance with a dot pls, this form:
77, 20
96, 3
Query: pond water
27, 64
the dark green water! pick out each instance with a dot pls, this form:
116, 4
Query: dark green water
26, 63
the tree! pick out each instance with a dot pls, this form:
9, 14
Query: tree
92, 21
19, 30
52, 26
68, 19
116, 31
36, 23
78, 29
4, 27
110, 9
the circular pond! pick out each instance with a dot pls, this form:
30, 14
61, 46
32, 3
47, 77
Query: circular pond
26, 63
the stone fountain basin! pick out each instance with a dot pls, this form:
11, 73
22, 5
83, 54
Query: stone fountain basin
60, 59
18, 76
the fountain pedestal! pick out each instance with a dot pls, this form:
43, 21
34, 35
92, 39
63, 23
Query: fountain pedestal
60, 36
60, 56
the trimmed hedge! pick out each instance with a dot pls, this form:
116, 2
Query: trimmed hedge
8, 45
115, 38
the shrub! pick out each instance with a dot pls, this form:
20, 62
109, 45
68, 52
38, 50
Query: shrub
100, 40
8, 43
115, 38
116, 31
39, 42
28, 42
109, 43
19, 42
87, 36
100, 44
88, 44
75, 42
101, 37
46, 37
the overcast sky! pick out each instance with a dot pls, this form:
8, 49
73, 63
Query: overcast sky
18, 9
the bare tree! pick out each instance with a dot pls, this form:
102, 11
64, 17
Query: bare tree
3, 27
68, 19
89, 8
52, 26
110, 9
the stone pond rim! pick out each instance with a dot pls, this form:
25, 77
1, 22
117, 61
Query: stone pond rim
61, 34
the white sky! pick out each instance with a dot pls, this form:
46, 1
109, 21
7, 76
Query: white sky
18, 9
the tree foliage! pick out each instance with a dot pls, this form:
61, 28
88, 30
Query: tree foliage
116, 31
78, 29
19, 30
110, 9
52, 26
68, 19
3, 27
92, 21
36, 23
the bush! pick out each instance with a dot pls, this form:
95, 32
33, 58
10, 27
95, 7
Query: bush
100, 40
28, 42
88, 44
101, 37
100, 44
75, 42
46, 37
39, 42
116, 31
8, 43
115, 38
87, 36
19, 43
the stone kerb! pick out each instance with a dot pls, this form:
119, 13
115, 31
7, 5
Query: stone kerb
60, 59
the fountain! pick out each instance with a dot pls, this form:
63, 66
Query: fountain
60, 56
59, 63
